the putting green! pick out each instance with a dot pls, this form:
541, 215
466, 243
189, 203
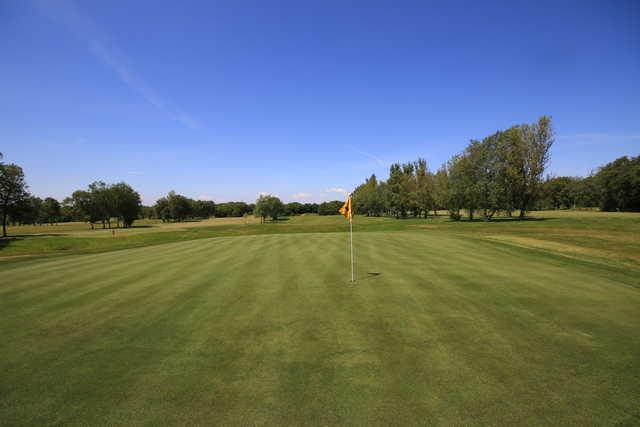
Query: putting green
267, 329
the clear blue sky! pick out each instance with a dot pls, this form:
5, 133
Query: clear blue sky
225, 100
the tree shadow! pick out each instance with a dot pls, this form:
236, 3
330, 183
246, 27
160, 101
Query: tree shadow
6, 241
280, 220
505, 219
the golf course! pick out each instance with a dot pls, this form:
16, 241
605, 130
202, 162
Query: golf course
228, 321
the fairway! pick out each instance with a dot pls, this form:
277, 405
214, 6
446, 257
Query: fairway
266, 329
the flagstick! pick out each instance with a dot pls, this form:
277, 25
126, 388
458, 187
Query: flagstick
351, 244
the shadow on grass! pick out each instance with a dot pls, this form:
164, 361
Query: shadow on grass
494, 220
6, 241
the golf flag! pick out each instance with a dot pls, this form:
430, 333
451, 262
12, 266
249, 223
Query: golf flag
346, 209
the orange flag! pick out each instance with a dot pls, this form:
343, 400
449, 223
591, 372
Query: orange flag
346, 209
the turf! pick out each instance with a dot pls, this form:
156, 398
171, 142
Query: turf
457, 328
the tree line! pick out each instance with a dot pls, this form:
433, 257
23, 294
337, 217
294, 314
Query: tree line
613, 187
503, 172
119, 205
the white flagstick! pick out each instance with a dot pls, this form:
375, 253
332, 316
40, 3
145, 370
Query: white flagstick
351, 244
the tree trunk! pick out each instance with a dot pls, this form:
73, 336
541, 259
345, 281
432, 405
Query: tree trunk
470, 214
4, 223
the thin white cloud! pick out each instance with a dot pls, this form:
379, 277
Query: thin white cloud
336, 190
301, 196
101, 47
373, 157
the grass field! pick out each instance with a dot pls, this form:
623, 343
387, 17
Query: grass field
512, 322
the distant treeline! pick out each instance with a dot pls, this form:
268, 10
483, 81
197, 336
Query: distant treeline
503, 172
613, 187
104, 204
175, 207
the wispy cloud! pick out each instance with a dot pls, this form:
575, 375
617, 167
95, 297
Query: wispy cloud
101, 47
580, 139
336, 190
301, 196
373, 157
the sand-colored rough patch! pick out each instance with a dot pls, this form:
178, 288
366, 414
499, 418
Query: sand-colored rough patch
565, 249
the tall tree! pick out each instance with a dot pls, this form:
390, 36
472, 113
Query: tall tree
13, 190
424, 187
536, 142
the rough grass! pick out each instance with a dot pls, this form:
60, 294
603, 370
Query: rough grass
456, 329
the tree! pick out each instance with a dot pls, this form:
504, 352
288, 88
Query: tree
424, 187
293, 208
161, 209
179, 206
330, 208
147, 212
102, 204
126, 203
367, 198
233, 209
619, 182
84, 207
399, 190
27, 211
463, 184
50, 211
532, 157
442, 192
268, 206
203, 208
13, 190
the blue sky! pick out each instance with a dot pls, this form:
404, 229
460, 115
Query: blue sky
225, 100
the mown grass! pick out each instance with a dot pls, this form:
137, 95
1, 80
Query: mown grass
266, 329
233, 322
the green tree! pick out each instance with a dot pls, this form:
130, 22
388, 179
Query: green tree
268, 206
535, 145
126, 203
161, 209
84, 207
50, 211
424, 187
619, 182
442, 192
203, 208
27, 211
13, 190
179, 206
330, 208
102, 203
